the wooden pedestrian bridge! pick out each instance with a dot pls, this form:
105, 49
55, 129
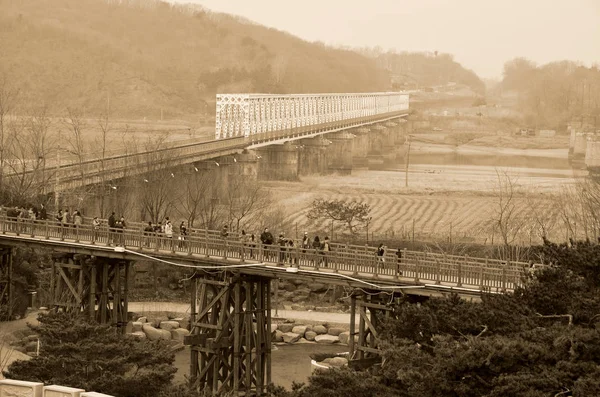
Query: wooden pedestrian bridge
230, 337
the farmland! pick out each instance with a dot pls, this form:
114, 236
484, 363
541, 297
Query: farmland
445, 202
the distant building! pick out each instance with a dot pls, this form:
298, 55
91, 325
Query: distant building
546, 133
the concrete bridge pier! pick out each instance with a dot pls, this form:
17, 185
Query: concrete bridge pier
339, 153
6, 285
360, 147
313, 156
230, 340
279, 162
98, 286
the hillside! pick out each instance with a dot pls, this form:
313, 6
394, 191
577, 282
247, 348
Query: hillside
144, 57
424, 70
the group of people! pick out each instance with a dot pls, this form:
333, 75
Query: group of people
32, 213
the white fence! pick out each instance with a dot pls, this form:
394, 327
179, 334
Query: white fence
9, 387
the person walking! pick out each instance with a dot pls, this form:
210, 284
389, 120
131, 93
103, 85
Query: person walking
43, 213
112, 228
316, 245
282, 243
77, 218
325, 250
266, 237
182, 234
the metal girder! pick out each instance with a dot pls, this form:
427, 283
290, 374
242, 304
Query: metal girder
230, 338
93, 285
6, 287
250, 114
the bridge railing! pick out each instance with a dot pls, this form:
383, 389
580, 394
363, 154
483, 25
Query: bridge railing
412, 267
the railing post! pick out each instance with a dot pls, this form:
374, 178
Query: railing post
32, 227
504, 276
47, 231
187, 243
417, 281
460, 269
206, 242
242, 251
481, 273
438, 276
225, 247
77, 233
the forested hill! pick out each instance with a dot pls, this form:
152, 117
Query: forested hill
144, 56
424, 69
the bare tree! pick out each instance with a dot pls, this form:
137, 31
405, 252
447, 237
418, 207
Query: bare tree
199, 199
156, 193
101, 142
8, 101
28, 147
245, 196
504, 215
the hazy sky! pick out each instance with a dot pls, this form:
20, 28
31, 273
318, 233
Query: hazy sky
482, 34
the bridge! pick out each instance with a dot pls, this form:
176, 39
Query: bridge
243, 121
230, 339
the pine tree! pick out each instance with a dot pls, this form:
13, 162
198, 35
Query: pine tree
77, 353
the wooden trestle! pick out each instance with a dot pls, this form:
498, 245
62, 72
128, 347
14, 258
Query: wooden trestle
365, 350
230, 338
6, 290
93, 285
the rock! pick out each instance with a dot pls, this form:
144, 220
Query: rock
31, 347
326, 339
143, 319
129, 327
287, 286
317, 288
31, 338
336, 361
278, 337
273, 327
155, 333
302, 340
290, 337
297, 307
285, 327
300, 297
344, 337
136, 326
310, 335
169, 325
320, 329
309, 307
297, 282
288, 295
178, 334
335, 331
299, 329
184, 322
139, 334
309, 327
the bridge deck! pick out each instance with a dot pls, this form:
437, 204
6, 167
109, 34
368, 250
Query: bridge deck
356, 266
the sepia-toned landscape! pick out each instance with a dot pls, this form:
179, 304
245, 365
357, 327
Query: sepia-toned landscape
290, 199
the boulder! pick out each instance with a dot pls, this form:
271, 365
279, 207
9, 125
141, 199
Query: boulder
309, 327
169, 325
302, 340
309, 307
31, 347
32, 338
320, 329
297, 307
317, 288
129, 327
278, 337
287, 286
290, 337
139, 334
335, 331
310, 335
344, 337
143, 319
326, 339
178, 334
300, 297
336, 361
184, 322
299, 329
273, 327
155, 333
136, 326
285, 327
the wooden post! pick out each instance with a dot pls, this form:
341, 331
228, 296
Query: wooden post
126, 294
237, 338
352, 326
193, 351
92, 297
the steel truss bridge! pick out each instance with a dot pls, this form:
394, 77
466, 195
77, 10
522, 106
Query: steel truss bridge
242, 121
230, 339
